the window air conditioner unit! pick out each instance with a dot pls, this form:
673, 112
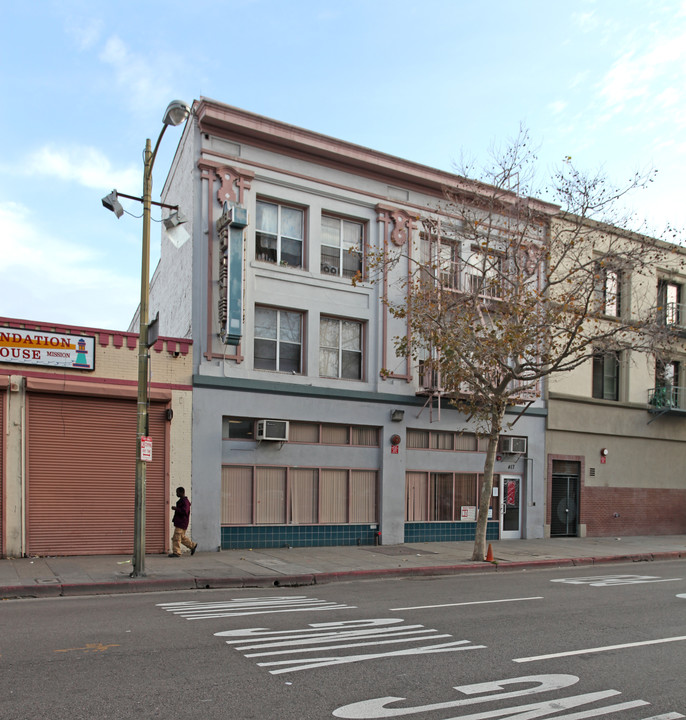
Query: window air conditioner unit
276, 430
513, 445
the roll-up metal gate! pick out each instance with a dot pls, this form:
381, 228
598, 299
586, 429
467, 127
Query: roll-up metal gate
81, 476
3, 435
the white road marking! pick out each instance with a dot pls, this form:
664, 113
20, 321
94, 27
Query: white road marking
614, 580
339, 637
193, 610
386, 707
477, 602
607, 648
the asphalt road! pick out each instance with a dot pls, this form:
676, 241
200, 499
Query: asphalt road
521, 645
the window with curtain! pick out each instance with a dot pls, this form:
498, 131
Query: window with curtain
335, 434
341, 247
466, 441
440, 497
362, 496
278, 340
416, 509
465, 492
279, 234
237, 498
305, 432
365, 435
304, 495
442, 440
333, 493
340, 348
270, 495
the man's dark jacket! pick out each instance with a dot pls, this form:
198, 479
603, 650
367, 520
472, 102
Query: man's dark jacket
182, 513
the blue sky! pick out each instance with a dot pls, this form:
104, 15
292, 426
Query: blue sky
85, 83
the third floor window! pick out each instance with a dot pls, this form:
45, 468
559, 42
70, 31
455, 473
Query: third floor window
279, 234
608, 291
341, 247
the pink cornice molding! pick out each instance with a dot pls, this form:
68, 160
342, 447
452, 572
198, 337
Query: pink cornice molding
225, 120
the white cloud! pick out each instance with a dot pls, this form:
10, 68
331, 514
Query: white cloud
86, 33
46, 278
86, 166
145, 80
558, 106
642, 75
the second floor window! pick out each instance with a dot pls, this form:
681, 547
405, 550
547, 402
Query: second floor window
341, 247
340, 348
278, 340
606, 376
279, 234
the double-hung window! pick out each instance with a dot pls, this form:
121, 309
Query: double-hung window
606, 376
278, 340
442, 257
341, 247
279, 234
340, 348
484, 273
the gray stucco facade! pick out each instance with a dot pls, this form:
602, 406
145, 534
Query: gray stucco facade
248, 492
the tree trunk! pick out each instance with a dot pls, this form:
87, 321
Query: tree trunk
479, 553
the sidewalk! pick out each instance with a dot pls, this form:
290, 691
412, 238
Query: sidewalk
274, 567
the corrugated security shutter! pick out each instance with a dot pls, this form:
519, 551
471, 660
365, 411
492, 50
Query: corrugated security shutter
3, 400
81, 476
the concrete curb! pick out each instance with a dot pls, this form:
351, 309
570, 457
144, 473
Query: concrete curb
115, 587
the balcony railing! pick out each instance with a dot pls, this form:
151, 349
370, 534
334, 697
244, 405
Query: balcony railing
664, 399
430, 383
672, 314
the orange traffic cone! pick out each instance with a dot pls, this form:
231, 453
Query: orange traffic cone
489, 554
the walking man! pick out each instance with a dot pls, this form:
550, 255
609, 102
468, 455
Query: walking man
182, 515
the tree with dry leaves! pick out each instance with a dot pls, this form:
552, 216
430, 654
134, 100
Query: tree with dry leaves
503, 291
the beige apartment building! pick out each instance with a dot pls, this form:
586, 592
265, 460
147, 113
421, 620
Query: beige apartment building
616, 426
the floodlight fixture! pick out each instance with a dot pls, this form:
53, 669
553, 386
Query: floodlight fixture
176, 218
112, 203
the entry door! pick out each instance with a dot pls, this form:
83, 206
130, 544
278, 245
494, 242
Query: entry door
565, 505
510, 507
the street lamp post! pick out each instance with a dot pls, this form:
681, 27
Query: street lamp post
176, 113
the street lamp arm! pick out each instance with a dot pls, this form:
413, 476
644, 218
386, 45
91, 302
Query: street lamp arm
152, 202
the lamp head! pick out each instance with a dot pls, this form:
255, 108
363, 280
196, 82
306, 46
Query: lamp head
177, 111
112, 203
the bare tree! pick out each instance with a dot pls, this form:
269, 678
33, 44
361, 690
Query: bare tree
506, 291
